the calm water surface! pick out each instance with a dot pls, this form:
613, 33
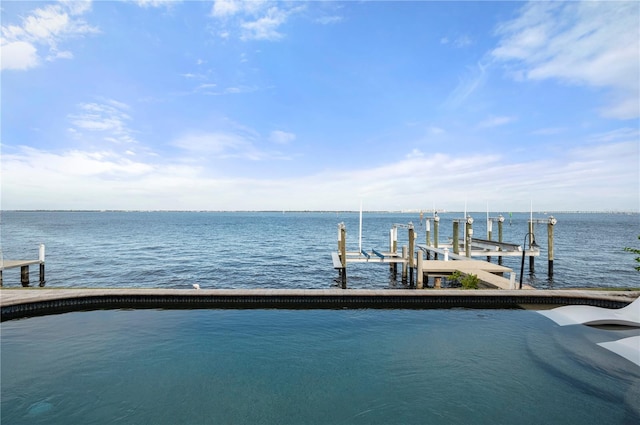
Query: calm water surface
313, 367
275, 250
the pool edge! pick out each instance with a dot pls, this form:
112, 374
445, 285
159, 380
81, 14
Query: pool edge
26, 302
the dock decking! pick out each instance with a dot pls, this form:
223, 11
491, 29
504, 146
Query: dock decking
26, 302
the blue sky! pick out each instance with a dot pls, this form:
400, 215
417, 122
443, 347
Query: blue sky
230, 105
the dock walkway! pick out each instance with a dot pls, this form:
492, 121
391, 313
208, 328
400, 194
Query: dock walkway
27, 302
488, 273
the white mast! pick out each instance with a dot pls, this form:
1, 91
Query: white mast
360, 232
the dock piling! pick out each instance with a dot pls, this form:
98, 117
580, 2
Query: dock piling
456, 247
436, 222
552, 222
342, 249
500, 221
489, 232
532, 268
411, 250
393, 248
420, 271
404, 264
468, 232
41, 259
24, 275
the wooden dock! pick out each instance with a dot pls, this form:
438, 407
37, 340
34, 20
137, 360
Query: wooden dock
491, 275
24, 267
463, 251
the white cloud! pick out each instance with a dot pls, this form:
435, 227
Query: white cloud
265, 27
206, 86
156, 3
496, 122
252, 20
76, 7
329, 20
223, 8
467, 85
108, 118
19, 55
54, 54
549, 131
601, 175
459, 42
47, 26
239, 144
585, 43
227, 8
462, 41
281, 137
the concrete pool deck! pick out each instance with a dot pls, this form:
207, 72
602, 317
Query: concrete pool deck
26, 302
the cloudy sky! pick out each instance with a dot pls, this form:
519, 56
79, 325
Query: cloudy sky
316, 105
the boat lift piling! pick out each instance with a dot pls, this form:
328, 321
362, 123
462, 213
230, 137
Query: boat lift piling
468, 233
499, 219
550, 222
436, 222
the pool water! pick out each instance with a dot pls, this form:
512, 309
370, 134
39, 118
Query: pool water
454, 366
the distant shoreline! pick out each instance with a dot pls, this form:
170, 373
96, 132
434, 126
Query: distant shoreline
547, 212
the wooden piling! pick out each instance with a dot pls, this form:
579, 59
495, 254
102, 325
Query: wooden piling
405, 267
436, 222
342, 249
456, 247
41, 259
532, 238
412, 242
428, 227
393, 247
500, 221
552, 222
420, 271
468, 233
428, 236
24, 275
489, 233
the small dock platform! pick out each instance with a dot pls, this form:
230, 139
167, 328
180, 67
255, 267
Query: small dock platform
490, 275
24, 267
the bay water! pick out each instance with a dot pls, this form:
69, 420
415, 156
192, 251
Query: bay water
291, 249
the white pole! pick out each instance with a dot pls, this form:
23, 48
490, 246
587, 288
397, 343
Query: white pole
531, 216
360, 232
488, 225
41, 253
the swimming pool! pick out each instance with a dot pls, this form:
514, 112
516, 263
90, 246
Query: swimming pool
313, 366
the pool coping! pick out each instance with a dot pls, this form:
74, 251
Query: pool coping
26, 302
